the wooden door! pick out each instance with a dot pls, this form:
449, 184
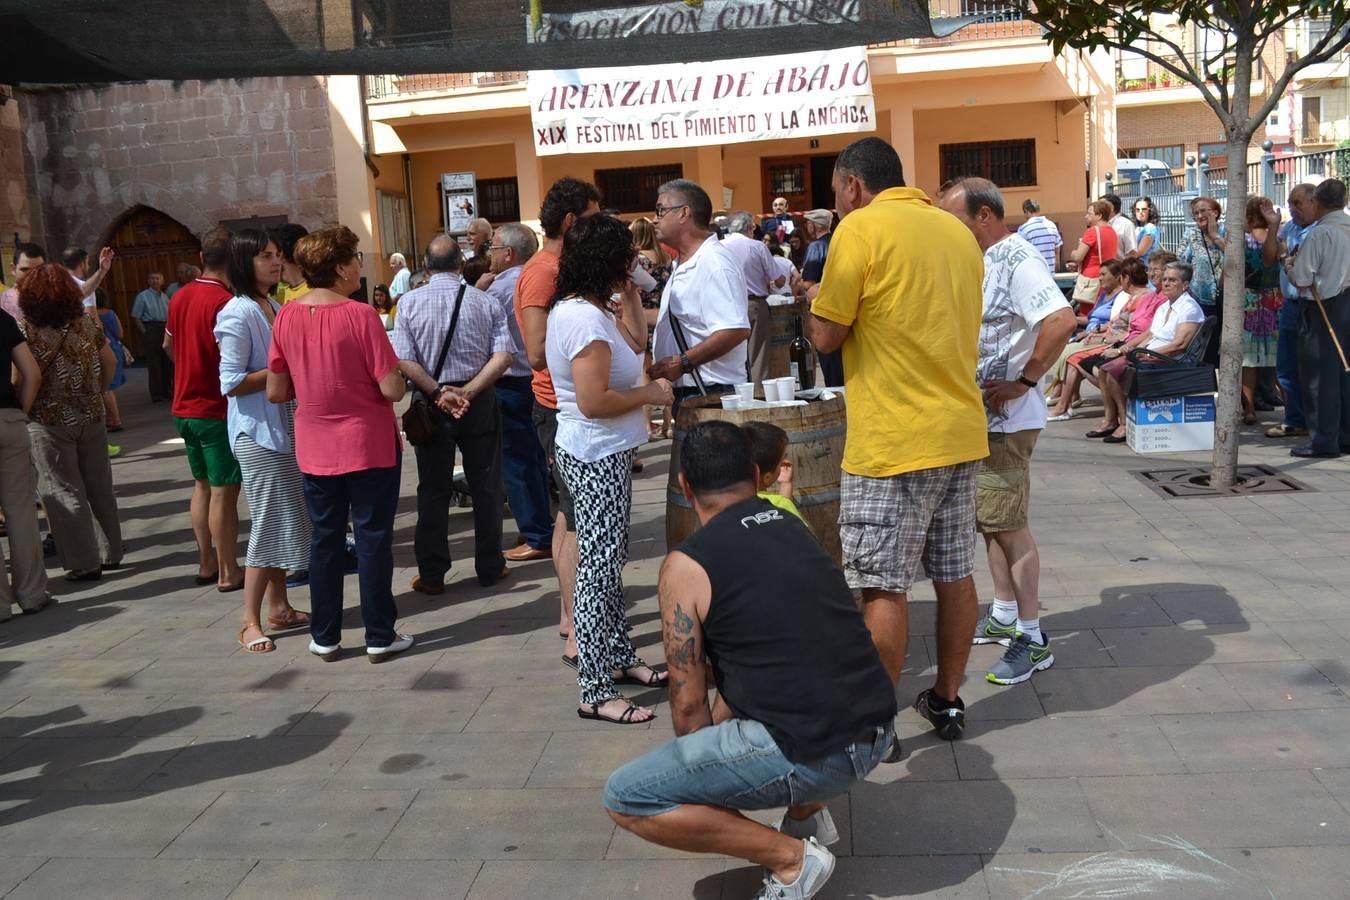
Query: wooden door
145, 240
804, 181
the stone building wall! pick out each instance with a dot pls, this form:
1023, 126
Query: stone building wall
200, 152
17, 208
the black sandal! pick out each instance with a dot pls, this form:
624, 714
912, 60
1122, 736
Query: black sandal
657, 679
625, 718
1102, 432
570, 661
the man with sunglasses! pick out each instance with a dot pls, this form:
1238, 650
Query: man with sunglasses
703, 323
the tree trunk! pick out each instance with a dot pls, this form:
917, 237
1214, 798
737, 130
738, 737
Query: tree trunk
1228, 406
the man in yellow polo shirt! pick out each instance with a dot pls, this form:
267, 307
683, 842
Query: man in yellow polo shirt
902, 295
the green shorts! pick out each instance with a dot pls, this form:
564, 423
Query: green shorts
208, 451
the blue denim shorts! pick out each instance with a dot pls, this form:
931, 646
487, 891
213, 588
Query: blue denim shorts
737, 765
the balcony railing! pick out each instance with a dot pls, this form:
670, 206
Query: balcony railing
380, 87
1003, 24
1146, 75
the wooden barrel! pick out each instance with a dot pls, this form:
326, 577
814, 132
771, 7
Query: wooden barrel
815, 446
782, 329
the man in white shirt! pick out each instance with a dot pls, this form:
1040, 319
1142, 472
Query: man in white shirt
761, 277
1024, 326
703, 322
402, 280
1122, 226
76, 262
1323, 262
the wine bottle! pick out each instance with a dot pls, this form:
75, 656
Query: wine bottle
803, 357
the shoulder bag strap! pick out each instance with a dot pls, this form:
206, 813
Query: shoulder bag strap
450, 333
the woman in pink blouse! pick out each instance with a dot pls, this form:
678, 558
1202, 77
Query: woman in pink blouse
332, 355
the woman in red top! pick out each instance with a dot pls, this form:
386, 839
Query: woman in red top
332, 355
1098, 244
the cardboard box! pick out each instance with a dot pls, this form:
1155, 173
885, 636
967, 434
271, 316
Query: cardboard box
1170, 424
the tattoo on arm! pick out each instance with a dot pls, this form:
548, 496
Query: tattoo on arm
682, 656
682, 623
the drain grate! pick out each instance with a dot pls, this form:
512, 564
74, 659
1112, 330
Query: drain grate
1179, 484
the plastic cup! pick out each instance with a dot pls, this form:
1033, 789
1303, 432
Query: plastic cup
772, 390
787, 388
746, 390
731, 401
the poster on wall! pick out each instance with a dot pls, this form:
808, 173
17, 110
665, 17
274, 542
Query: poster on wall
459, 199
696, 104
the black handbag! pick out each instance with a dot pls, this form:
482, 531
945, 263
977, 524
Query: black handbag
420, 422
1164, 381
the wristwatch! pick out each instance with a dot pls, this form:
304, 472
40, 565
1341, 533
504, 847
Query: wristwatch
1023, 379
685, 364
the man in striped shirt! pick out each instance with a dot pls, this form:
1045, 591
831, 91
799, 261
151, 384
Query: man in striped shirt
1041, 233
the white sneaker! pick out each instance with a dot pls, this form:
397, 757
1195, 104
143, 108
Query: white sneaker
381, 654
818, 825
327, 654
817, 867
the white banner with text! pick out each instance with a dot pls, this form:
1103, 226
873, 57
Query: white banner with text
705, 103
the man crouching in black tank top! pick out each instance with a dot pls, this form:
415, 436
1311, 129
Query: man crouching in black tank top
804, 707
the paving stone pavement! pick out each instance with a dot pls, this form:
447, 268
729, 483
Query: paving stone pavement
1189, 742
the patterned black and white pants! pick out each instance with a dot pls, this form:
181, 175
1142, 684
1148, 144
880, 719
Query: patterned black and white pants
603, 492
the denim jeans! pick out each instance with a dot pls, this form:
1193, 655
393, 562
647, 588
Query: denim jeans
371, 496
1286, 372
524, 468
737, 765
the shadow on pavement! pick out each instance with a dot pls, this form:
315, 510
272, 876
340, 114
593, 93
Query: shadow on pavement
82, 765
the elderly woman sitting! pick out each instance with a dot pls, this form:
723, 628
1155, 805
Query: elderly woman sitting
1130, 313
1173, 324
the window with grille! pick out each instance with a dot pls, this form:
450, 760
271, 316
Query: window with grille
634, 190
789, 179
499, 200
1005, 163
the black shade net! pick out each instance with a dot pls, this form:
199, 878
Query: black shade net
65, 41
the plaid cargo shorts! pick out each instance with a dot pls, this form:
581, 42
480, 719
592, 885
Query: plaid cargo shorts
887, 526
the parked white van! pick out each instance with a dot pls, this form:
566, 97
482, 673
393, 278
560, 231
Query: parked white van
1129, 169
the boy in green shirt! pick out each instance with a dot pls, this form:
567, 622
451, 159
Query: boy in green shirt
768, 447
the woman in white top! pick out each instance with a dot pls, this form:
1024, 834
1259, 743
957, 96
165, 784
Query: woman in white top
782, 266
262, 438
594, 350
